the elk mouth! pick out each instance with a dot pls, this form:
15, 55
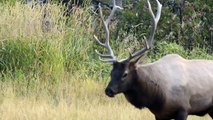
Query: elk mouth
109, 92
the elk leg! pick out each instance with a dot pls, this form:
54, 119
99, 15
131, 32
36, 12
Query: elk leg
211, 113
156, 118
181, 115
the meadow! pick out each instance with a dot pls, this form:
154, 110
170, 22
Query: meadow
49, 70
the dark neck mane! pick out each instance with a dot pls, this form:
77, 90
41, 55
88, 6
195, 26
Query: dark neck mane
145, 94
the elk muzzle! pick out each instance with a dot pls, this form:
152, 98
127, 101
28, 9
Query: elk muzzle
109, 92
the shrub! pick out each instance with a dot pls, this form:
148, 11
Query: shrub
40, 57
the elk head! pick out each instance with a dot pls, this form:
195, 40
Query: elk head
123, 72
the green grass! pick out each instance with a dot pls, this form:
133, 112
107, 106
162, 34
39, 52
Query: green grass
52, 72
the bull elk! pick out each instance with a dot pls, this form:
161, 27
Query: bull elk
171, 88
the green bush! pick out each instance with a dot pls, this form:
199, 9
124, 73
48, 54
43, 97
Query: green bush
199, 53
163, 48
28, 56
194, 31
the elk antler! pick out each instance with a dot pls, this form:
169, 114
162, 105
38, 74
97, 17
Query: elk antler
110, 57
149, 42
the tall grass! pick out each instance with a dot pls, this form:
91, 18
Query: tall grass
49, 69
77, 99
26, 45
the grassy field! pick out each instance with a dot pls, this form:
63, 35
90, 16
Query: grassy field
49, 70
76, 100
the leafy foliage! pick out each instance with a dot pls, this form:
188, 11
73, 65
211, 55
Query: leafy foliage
191, 30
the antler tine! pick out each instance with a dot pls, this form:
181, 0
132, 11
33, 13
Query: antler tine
115, 7
155, 20
111, 57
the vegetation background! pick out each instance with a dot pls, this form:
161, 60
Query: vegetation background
49, 70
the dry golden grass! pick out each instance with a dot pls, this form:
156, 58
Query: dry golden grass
21, 21
75, 100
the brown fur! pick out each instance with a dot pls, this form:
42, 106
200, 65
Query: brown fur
171, 87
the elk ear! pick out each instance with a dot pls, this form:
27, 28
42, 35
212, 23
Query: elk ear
119, 64
114, 64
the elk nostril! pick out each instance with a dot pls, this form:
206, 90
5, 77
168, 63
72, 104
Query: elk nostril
109, 92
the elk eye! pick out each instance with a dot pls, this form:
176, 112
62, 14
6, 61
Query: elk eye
124, 75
